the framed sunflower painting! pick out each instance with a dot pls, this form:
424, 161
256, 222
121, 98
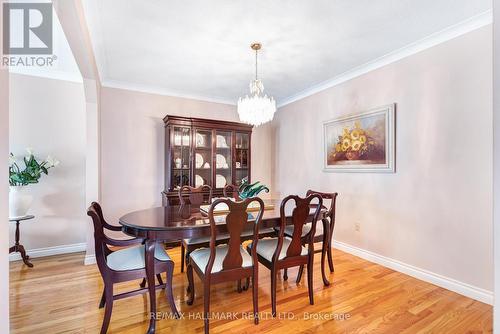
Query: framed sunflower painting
361, 143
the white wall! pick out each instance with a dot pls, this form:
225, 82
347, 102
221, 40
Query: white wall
49, 116
4, 150
132, 146
496, 164
262, 158
435, 212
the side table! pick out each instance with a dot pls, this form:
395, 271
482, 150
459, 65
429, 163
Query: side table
18, 247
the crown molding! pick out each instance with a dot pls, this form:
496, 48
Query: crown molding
165, 92
48, 74
471, 24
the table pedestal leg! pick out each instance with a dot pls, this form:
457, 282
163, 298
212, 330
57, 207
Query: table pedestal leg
150, 273
324, 248
20, 248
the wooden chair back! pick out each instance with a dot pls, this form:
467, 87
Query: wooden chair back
97, 208
195, 196
235, 221
231, 191
101, 241
299, 217
332, 198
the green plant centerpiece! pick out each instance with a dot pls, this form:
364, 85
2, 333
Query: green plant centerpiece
20, 177
247, 190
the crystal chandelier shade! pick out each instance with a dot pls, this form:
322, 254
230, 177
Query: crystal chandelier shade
257, 108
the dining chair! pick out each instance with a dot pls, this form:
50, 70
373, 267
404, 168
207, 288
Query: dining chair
128, 241
329, 218
189, 245
228, 262
194, 196
231, 191
124, 265
286, 252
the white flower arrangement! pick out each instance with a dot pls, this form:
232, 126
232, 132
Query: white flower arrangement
32, 171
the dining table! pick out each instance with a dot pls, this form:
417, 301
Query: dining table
176, 222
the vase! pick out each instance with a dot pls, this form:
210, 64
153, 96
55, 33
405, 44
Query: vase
20, 201
352, 155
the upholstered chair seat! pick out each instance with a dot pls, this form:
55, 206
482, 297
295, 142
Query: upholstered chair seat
133, 258
305, 230
266, 248
263, 232
201, 255
245, 235
203, 240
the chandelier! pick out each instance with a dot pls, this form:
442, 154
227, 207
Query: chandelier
257, 108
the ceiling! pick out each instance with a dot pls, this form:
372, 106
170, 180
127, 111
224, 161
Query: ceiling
201, 48
64, 65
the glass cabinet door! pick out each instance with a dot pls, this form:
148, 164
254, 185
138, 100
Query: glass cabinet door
223, 158
242, 147
181, 157
203, 157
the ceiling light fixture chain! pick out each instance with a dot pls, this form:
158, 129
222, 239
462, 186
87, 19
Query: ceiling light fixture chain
258, 108
256, 60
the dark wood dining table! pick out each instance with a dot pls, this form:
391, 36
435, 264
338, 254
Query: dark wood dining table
176, 222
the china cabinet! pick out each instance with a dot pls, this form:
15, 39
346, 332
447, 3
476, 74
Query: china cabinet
202, 151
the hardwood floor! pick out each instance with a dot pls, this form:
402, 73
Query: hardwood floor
61, 295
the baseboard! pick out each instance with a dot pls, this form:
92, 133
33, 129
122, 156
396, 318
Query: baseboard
451, 284
89, 259
49, 251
